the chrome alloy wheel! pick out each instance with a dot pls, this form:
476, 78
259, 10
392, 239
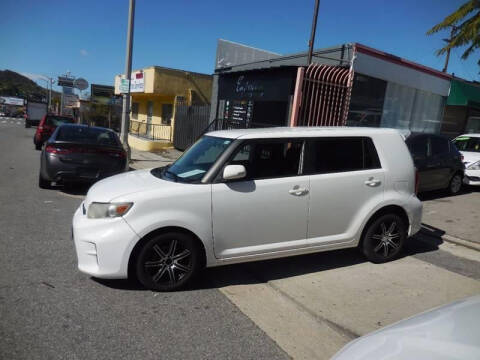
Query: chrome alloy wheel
168, 263
387, 238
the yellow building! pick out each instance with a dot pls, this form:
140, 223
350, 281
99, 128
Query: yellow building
155, 93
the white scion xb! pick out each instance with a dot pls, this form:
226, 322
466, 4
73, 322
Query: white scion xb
251, 194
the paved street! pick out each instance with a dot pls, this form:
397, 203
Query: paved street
48, 310
303, 307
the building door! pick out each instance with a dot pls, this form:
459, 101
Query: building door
149, 118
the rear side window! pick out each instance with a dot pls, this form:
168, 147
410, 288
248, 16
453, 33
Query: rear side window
439, 145
269, 159
418, 146
340, 154
58, 120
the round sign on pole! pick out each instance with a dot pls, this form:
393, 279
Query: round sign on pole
80, 84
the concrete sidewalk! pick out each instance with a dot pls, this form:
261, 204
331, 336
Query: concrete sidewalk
148, 160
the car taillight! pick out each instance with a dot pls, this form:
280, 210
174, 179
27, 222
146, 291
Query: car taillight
55, 150
417, 181
462, 157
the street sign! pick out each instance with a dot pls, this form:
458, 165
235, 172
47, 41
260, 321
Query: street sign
80, 84
124, 83
65, 81
9, 100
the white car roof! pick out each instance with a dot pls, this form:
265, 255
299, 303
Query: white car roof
285, 132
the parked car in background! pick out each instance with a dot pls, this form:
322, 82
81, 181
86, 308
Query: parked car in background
35, 113
448, 332
47, 126
80, 153
251, 194
469, 146
438, 162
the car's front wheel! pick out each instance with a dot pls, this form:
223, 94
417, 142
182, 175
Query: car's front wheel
384, 238
169, 261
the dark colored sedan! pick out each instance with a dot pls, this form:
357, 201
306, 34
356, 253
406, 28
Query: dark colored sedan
438, 162
80, 153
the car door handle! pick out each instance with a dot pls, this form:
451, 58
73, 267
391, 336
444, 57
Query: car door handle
372, 182
298, 191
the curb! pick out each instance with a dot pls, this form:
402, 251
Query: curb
461, 242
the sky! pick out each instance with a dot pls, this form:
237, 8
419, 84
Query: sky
87, 38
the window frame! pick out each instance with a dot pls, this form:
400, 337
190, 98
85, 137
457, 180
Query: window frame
218, 178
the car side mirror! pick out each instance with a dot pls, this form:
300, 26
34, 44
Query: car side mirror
234, 172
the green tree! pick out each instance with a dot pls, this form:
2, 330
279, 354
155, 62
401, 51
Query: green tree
466, 23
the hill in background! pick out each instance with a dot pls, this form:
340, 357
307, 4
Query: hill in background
15, 84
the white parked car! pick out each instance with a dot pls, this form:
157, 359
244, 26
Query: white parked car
469, 146
450, 332
246, 195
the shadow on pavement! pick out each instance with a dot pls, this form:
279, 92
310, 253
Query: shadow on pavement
263, 271
73, 189
439, 194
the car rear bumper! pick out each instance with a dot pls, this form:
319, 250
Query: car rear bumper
414, 210
59, 171
103, 246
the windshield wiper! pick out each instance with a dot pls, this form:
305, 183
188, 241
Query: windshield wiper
166, 171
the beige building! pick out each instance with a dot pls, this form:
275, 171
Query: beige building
155, 93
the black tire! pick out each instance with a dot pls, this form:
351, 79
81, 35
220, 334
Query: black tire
168, 262
38, 146
384, 238
27, 124
43, 183
455, 184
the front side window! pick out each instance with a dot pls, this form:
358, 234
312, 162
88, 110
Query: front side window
332, 155
196, 161
269, 158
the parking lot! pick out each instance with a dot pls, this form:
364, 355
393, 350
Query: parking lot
302, 307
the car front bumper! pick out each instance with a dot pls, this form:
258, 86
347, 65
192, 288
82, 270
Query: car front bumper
472, 177
103, 246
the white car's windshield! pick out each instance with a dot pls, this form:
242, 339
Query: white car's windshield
467, 143
196, 161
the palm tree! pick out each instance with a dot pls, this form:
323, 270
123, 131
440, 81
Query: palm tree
465, 31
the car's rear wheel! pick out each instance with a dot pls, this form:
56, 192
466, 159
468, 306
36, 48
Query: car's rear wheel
384, 238
168, 262
38, 146
455, 184
43, 183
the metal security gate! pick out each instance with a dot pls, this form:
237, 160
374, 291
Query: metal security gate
322, 95
190, 123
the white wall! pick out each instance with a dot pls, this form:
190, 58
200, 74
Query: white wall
402, 75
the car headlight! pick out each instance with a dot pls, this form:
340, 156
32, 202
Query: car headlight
98, 210
474, 166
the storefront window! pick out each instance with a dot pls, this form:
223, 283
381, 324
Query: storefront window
167, 112
135, 110
408, 108
366, 102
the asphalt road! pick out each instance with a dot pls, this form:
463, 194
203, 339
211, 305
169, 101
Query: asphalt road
48, 310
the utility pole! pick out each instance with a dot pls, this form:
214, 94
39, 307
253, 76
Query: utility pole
128, 72
312, 34
452, 35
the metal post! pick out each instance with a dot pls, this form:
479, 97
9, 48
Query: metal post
312, 34
128, 72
